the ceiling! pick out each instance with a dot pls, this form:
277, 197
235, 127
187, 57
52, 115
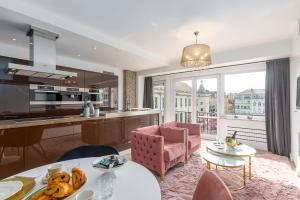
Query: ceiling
140, 34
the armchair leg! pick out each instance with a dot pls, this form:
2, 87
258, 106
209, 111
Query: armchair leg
162, 176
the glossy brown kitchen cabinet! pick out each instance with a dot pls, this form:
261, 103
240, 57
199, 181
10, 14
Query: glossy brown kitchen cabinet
73, 81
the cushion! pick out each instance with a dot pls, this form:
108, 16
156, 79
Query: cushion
173, 151
193, 140
151, 130
171, 124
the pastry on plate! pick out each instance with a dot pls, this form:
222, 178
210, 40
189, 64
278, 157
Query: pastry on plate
42, 196
78, 178
59, 190
59, 177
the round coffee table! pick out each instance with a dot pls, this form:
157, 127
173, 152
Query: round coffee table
226, 162
241, 150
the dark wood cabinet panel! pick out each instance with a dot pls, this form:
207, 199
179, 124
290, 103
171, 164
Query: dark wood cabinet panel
16, 103
110, 131
73, 81
99, 80
130, 124
90, 132
14, 99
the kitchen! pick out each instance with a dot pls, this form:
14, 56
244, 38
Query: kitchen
41, 107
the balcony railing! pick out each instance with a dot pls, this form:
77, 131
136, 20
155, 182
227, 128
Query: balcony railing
208, 122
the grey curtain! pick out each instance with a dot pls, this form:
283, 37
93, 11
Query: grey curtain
277, 106
148, 93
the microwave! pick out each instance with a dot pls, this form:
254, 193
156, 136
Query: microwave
72, 95
44, 94
94, 95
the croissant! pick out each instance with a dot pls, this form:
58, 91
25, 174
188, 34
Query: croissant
59, 177
78, 178
37, 196
41, 196
45, 197
59, 190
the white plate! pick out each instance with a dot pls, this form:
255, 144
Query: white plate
9, 188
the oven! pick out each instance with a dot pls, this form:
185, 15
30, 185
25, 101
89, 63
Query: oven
94, 95
44, 94
72, 95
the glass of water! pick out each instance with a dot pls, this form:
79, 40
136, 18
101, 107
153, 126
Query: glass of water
105, 186
217, 139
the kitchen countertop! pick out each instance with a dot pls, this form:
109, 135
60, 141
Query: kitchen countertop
8, 124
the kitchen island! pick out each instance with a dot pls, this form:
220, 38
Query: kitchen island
38, 141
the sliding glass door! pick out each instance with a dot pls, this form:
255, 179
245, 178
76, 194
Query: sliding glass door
196, 101
159, 98
206, 106
183, 101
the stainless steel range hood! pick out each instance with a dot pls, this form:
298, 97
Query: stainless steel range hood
43, 54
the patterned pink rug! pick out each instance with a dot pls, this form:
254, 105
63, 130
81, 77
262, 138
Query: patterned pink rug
272, 179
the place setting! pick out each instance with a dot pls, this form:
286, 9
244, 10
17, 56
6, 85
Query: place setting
65, 181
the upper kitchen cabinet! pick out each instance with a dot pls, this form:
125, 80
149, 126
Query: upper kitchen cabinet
107, 85
100, 80
73, 81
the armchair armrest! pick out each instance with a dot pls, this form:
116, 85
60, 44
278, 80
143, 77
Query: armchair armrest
174, 134
194, 129
147, 150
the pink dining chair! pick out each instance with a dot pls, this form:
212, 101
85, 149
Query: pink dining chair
211, 187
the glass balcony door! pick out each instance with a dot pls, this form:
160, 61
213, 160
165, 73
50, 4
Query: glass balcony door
183, 101
159, 98
207, 106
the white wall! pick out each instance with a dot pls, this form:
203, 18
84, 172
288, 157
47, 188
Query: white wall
277, 49
295, 114
23, 53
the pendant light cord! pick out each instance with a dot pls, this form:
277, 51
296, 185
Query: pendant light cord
196, 33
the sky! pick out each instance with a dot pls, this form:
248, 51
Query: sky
235, 83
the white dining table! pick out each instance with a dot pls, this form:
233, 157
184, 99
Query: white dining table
133, 181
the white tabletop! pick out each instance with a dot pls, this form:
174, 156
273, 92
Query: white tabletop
240, 151
133, 182
222, 160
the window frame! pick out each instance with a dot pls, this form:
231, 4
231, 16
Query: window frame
163, 103
233, 116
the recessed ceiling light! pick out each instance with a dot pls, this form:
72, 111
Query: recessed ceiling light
13, 39
153, 23
95, 48
30, 43
78, 55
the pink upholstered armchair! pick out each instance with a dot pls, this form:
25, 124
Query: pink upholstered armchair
158, 148
193, 135
211, 187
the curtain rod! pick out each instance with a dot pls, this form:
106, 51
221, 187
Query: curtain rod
197, 70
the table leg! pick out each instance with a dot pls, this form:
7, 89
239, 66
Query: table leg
216, 167
250, 173
244, 175
208, 165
